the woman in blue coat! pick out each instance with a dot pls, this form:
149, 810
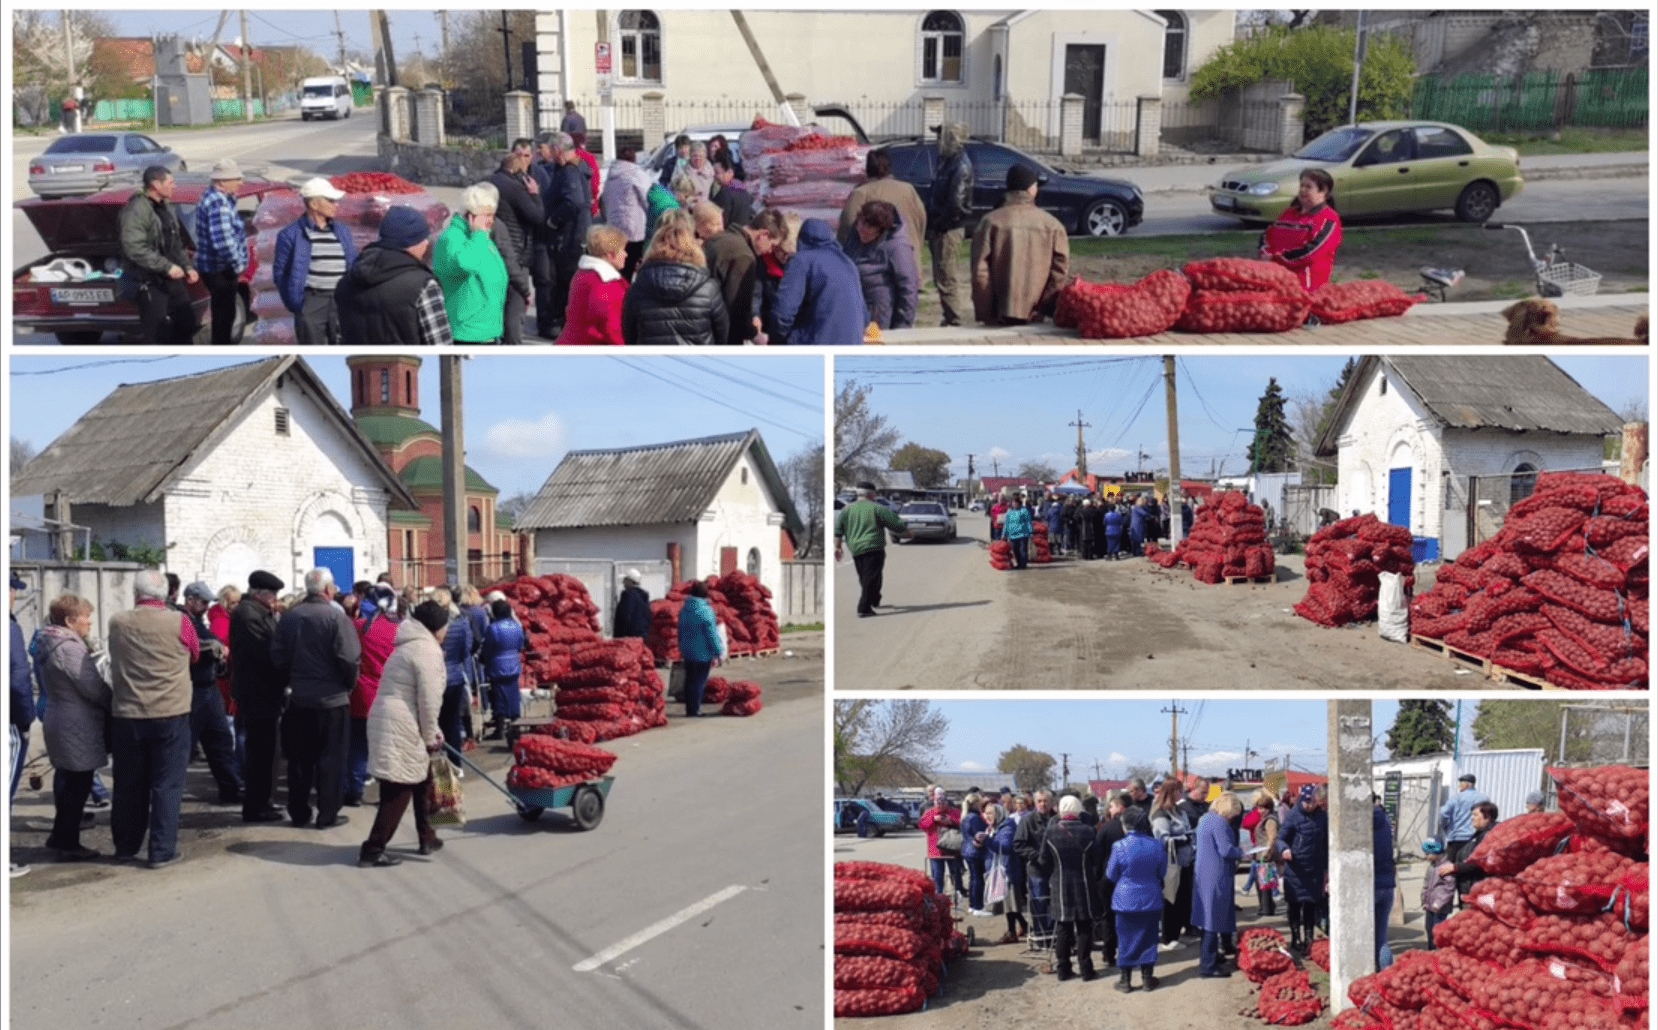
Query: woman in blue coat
700, 646
821, 299
1217, 865
458, 646
1017, 529
973, 853
1000, 845
503, 661
1138, 518
1304, 848
1136, 869
1113, 531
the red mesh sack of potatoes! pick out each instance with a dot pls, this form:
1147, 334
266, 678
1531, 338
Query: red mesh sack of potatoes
1478, 935
1356, 1019
1409, 983
1261, 955
855, 895
1462, 973
1288, 999
1608, 801
1223, 311
894, 1001
1630, 978
884, 871
873, 972
1528, 995
1319, 953
1597, 940
1633, 900
1370, 298
562, 756
1242, 274
1149, 307
536, 778
743, 708
1574, 884
1504, 900
1513, 844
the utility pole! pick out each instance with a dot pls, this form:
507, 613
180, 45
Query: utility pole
247, 72
1082, 448
443, 58
420, 58
506, 46
1358, 65
1176, 524
68, 45
1174, 711
970, 477
1097, 774
339, 34
1352, 851
1064, 770
454, 472
385, 53
995, 468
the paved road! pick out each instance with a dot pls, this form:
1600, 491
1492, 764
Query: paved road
708, 861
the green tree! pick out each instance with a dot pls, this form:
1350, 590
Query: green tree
1031, 770
872, 736
1318, 61
1274, 444
1039, 469
863, 439
1591, 735
1423, 727
929, 466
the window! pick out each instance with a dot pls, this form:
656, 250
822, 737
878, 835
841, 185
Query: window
281, 421
361, 393
1383, 380
135, 145
1389, 148
754, 562
991, 163
408, 388
1174, 44
1521, 482
744, 476
1434, 141
641, 37
942, 36
408, 544
385, 386
474, 519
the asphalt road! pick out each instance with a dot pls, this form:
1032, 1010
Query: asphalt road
696, 903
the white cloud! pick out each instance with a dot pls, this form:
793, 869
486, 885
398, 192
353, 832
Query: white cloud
521, 438
1117, 758
971, 767
1110, 454
1217, 761
998, 454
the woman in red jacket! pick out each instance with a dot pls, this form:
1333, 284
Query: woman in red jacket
594, 315
1307, 235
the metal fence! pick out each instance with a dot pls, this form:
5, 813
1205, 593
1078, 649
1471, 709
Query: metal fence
426, 572
1485, 503
603, 579
1604, 734
1304, 508
1592, 98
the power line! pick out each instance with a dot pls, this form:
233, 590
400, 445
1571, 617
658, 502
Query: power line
681, 386
1192, 382
807, 390
704, 368
95, 364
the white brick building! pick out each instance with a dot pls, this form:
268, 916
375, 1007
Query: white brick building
710, 506
253, 466
1412, 435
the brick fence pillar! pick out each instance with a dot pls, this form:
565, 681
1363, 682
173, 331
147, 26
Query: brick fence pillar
932, 113
394, 112
520, 115
803, 112
654, 120
429, 118
1070, 125
1148, 136
1291, 108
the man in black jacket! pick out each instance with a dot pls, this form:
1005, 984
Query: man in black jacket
633, 609
260, 690
209, 727
1467, 873
318, 647
520, 211
1027, 844
949, 207
569, 210
390, 296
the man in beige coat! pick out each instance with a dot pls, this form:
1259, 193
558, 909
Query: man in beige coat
1021, 257
882, 185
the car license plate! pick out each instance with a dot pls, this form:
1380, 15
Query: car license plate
1225, 201
69, 168
84, 296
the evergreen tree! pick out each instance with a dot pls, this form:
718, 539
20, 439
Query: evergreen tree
1274, 443
1422, 727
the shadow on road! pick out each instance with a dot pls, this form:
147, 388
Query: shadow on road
905, 609
989, 976
297, 852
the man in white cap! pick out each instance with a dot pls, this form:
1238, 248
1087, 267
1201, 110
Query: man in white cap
222, 248
633, 609
311, 257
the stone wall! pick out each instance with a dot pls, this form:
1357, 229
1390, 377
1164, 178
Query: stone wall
438, 166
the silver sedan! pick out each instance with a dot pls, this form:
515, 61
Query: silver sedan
928, 519
87, 162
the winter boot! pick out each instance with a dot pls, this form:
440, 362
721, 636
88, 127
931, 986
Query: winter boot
1147, 980
1124, 982
1064, 973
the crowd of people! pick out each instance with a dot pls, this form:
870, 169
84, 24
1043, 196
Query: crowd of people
347, 686
1085, 527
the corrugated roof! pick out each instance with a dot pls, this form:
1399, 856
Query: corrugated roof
668, 482
1521, 393
134, 443
893, 479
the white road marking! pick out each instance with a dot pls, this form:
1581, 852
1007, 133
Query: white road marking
658, 928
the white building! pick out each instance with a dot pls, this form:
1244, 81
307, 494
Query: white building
706, 506
249, 467
1446, 444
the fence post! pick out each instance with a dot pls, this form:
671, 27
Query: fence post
932, 113
394, 117
654, 121
520, 115
429, 118
1070, 125
802, 111
1149, 135
1291, 131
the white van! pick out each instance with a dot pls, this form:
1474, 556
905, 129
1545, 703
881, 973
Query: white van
324, 97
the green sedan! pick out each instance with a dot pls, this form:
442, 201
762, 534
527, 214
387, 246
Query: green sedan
1382, 168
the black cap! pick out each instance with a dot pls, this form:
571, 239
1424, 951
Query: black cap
259, 579
1020, 178
1467, 778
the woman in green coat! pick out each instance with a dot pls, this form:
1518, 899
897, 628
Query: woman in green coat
471, 270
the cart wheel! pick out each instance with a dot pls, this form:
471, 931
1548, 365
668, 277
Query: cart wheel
971, 937
588, 808
511, 736
530, 813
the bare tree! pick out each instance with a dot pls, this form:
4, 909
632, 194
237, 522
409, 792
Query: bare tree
42, 57
871, 735
1039, 469
22, 453
1142, 771
803, 476
1634, 409
863, 439
514, 505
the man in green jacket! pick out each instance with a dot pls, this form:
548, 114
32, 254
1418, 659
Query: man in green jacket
154, 264
862, 526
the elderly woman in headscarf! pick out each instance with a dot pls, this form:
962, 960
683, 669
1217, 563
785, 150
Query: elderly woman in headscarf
999, 843
1071, 860
1135, 868
1215, 868
973, 854
1304, 848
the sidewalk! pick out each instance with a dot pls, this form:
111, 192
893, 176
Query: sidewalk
1199, 178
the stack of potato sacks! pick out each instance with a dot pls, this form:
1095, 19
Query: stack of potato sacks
612, 690
805, 170
742, 605
1228, 538
1560, 592
1345, 561
1287, 996
557, 614
1555, 938
1041, 550
543, 762
893, 935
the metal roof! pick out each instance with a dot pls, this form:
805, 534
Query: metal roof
1521, 393
136, 442
667, 482
894, 479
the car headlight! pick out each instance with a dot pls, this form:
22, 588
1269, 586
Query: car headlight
1263, 189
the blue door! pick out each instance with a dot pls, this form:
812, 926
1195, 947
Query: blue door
1398, 497
337, 560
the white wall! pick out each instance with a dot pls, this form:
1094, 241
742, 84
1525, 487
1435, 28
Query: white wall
745, 517
1133, 43
134, 525
619, 543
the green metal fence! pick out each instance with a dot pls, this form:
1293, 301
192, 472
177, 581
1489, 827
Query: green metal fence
1594, 97
123, 111
231, 110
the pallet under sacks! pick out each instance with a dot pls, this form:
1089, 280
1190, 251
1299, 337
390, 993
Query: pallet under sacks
1228, 542
894, 938
1345, 561
1558, 597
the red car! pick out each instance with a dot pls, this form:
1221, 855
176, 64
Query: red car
82, 312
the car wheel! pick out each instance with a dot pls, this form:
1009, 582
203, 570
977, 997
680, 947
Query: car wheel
1105, 218
1478, 202
880, 831
304, 117
82, 338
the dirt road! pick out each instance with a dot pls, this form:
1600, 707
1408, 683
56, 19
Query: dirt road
953, 622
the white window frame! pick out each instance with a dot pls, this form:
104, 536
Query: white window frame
1185, 31
638, 36
924, 36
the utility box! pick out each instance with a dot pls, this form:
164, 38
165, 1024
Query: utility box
181, 98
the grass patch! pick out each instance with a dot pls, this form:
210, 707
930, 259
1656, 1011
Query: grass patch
1571, 141
802, 627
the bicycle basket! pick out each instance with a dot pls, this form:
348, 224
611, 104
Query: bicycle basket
1567, 278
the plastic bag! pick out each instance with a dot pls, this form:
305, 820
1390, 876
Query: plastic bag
1392, 614
444, 800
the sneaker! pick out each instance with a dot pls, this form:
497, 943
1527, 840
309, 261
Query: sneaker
97, 803
164, 862
1171, 946
18, 869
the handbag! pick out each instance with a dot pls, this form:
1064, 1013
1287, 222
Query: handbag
676, 682
950, 842
1171, 875
444, 801
995, 887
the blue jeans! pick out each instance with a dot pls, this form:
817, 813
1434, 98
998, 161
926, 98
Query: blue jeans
975, 881
1041, 918
356, 760
150, 760
1433, 920
210, 726
696, 678
1209, 960
1021, 551
939, 865
457, 700
19, 753
1384, 908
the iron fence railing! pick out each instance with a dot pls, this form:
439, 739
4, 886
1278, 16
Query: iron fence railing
424, 572
1592, 98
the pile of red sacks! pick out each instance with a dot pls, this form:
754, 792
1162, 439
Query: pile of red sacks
1041, 551
1228, 538
805, 170
542, 761
893, 936
1553, 939
610, 690
1560, 592
557, 615
742, 605
1287, 997
735, 697
1001, 555
1345, 561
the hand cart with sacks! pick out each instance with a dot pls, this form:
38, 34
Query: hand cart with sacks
585, 800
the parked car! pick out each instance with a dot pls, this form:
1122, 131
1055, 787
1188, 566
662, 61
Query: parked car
80, 312
976, 506
910, 811
1382, 168
86, 162
327, 96
1085, 205
848, 811
831, 118
928, 519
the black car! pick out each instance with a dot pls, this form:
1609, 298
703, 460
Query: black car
1086, 206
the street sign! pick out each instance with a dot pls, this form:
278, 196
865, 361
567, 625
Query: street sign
1392, 786
1244, 775
601, 58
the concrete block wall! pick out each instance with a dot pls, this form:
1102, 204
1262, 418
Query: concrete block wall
1070, 125
1150, 129
520, 115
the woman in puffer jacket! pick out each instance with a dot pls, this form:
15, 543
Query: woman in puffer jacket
885, 260
973, 854
598, 292
503, 658
673, 301
403, 731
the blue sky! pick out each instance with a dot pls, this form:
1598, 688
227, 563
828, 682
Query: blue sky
1011, 409
313, 29
522, 413
1118, 733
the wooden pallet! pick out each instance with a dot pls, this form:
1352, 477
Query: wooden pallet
1455, 656
1230, 580
1524, 679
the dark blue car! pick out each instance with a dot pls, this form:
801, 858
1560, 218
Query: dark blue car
1086, 206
